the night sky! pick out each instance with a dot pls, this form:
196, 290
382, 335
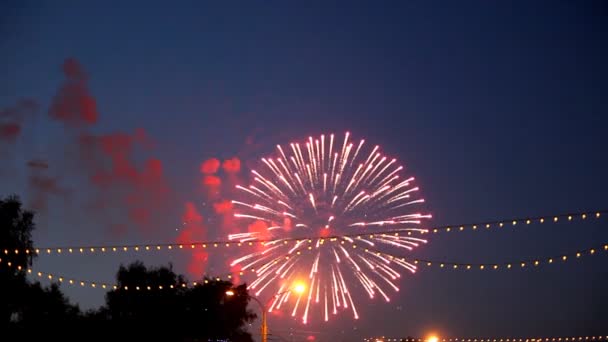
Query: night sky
499, 110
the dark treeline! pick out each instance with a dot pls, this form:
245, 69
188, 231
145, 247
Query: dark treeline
30, 311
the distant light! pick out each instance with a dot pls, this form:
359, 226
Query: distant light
433, 338
229, 293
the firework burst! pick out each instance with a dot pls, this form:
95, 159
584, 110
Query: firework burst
310, 199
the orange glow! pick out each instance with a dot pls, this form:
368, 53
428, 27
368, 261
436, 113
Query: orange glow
299, 288
432, 338
229, 293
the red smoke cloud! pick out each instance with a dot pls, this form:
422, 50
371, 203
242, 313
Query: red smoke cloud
73, 71
219, 188
287, 224
148, 194
236, 276
212, 181
73, 104
210, 166
145, 188
11, 119
9, 131
261, 228
118, 147
42, 186
134, 192
231, 165
194, 230
224, 208
127, 189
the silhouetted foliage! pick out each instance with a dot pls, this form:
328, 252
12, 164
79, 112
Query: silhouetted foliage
45, 304
150, 302
16, 226
201, 313
26, 306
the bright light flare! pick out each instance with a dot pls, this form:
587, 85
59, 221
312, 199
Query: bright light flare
299, 288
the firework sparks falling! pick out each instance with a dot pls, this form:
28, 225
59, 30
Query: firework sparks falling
320, 189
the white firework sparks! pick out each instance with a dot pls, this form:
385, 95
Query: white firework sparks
321, 189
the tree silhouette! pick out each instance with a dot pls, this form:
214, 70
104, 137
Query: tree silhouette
149, 302
26, 306
16, 226
46, 305
202, 313
225, 316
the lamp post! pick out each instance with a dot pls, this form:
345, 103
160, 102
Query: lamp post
299, 288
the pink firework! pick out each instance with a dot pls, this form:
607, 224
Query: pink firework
320, 204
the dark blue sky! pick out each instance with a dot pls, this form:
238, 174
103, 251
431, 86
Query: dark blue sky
499, 110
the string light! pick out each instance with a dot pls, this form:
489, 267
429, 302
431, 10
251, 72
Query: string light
467, 266
494, 339
95, 284
513, 222
444, 265
536, 262
569, 217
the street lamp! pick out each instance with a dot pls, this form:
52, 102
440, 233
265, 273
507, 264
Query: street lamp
298, 288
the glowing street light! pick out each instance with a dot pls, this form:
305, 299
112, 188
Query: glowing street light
432, 338
298, 288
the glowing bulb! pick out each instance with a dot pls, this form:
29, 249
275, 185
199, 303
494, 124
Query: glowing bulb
299, 288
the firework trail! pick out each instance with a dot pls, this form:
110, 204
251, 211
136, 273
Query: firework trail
321, 189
